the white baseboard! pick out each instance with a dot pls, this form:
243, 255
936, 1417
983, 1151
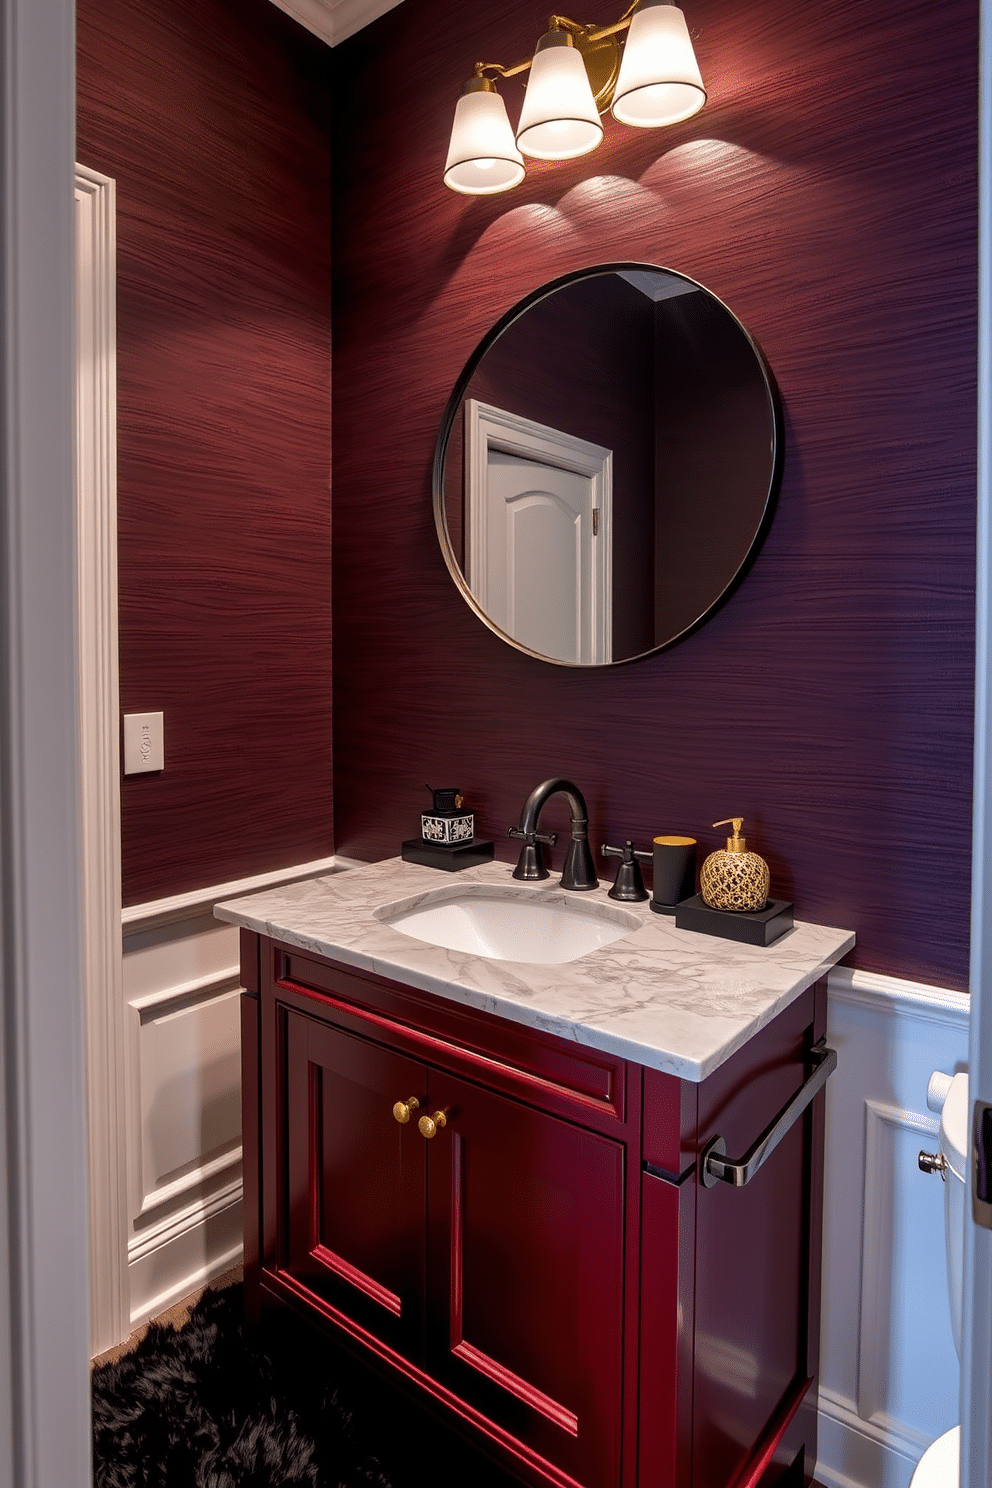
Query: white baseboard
197, 1279
853, 1453
184, 1253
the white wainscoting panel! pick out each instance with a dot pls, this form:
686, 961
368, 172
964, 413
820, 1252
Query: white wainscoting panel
888, 1370
181, 988
182, 1092
189, 1075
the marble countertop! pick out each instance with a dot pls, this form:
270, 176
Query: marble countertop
673, 1000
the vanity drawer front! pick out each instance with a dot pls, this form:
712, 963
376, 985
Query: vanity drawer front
584, 1084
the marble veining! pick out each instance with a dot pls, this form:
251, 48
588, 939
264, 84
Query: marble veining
670, 999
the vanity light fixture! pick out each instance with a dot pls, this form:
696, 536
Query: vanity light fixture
576, 72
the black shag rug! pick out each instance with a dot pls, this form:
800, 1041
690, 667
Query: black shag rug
216, 1405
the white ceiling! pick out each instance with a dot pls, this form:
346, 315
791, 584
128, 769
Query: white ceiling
658, 285
333, 20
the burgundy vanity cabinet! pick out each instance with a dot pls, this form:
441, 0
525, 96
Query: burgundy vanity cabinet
546, 1264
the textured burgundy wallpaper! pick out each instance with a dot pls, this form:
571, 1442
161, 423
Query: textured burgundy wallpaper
827, 194
213, 117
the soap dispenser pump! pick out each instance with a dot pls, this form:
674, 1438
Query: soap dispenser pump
734, 879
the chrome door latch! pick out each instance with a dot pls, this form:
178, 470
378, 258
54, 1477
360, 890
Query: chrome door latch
981, 1191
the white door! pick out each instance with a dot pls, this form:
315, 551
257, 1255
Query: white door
538, 534
540, 582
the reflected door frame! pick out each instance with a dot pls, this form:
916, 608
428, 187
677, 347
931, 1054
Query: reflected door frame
487, 429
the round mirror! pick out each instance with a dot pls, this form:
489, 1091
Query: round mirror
606, 465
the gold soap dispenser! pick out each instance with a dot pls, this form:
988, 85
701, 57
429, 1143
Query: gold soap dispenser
734, 879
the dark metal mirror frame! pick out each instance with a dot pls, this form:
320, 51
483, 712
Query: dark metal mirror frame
454, 405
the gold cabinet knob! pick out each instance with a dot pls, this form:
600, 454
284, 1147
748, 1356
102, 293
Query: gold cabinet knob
429, 1124
402, 1109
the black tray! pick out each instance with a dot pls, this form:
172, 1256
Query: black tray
450, 856
752, 926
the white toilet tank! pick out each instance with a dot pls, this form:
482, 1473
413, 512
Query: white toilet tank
939, 1465
953, 1144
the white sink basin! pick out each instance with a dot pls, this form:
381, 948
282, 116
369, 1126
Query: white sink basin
510, 924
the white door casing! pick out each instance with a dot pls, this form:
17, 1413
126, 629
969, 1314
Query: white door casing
539, 506
44, 1326
976, 1343
96, 613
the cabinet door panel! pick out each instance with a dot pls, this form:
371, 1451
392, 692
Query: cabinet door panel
668, 1212
356, 1180
752, 1252
525, 1279
757, 1250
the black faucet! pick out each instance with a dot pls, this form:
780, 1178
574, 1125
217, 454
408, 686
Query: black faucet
578, 870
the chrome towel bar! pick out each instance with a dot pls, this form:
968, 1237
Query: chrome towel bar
714, 1166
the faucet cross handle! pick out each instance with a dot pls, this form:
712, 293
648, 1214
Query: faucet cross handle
629, 884
531, 864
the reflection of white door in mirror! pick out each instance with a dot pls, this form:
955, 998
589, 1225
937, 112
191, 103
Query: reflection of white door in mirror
539, 534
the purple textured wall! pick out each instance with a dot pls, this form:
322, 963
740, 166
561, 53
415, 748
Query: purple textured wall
827, 194
213, 117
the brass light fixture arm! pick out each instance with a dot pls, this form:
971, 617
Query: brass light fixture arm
561, 23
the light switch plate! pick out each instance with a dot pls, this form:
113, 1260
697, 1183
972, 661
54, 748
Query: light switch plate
144, 743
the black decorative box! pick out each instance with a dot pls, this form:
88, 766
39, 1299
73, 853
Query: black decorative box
761, 927
448, 855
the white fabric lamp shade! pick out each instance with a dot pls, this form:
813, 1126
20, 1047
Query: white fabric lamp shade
482, 155
659, 80
559, 118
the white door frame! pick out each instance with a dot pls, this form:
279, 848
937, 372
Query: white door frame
488, 427
99, 708
44, 1277
976, 1350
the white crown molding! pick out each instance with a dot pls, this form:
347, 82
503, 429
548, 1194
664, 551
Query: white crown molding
894, 996
154, 912
335, 20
